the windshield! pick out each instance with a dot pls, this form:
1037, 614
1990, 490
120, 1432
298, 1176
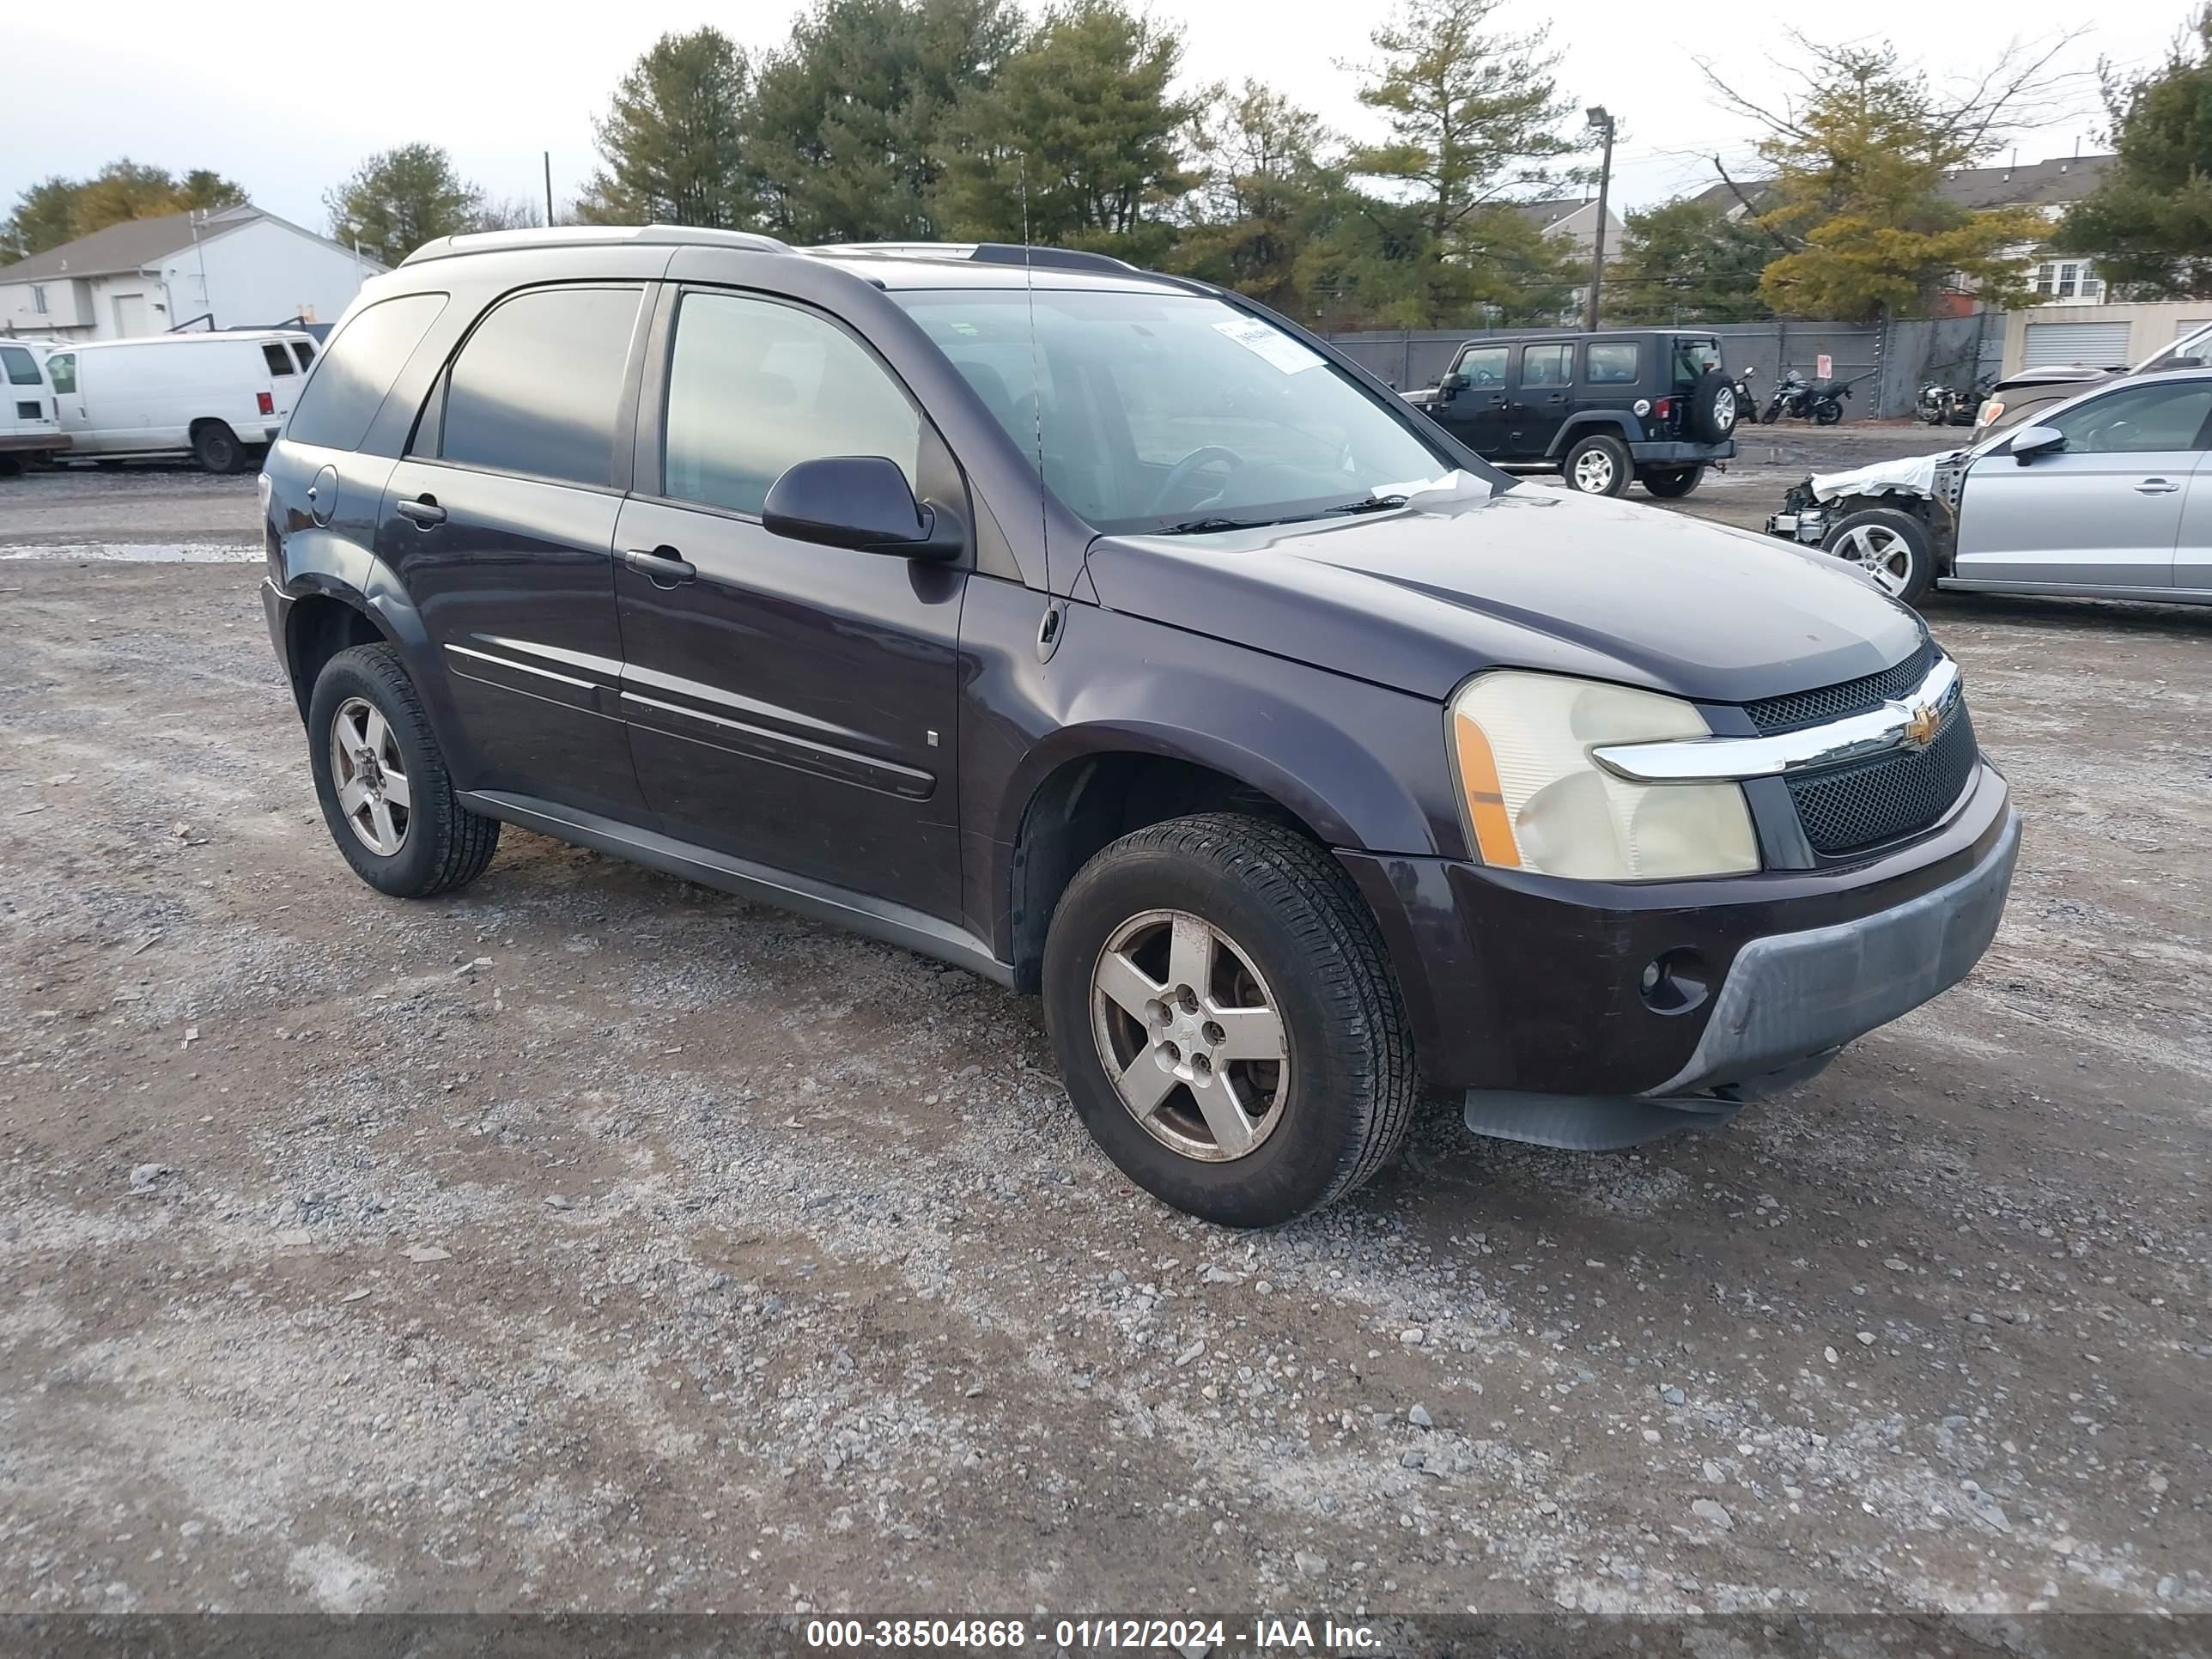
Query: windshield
1152, 411
2192, 349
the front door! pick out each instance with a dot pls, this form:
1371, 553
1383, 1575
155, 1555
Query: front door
2104, 510
789, 703
1541, 397
1475, 413
500, 522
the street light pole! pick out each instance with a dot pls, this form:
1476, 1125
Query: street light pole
1602, 122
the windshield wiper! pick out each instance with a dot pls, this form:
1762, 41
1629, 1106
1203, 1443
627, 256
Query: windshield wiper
1201, 527
1369, 504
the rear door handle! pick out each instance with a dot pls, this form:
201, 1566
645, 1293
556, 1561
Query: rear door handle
664, 565
424, 511
2156, 486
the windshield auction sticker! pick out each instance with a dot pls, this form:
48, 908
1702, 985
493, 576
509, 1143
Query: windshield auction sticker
1271, 344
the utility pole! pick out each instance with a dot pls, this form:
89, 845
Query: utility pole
549, 190
1600, 121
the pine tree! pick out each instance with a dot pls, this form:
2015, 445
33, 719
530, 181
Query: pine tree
673, 141
399, 199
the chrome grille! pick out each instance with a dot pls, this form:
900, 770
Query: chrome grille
1849, 808
1829, 703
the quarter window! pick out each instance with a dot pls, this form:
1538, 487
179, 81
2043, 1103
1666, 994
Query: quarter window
305, 353
536, 388
2137, 421
275, 355
1484, 365
756, 386
1610, 363
1545, 365
366, 356
61, 371
22, 368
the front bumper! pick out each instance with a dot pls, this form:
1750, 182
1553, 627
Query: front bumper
1674, 453
1534, 986
1809, 527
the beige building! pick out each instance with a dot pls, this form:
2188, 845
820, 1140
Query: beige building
2097, 336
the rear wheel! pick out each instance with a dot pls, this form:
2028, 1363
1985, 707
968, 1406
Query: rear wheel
1671, 483
216, 448
1828, 412
1597, 465
1226, 1021
1890, 546
386, 796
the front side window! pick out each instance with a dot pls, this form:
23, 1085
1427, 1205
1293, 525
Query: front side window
2140, 420
1546, 364
756, 386
61, 370
279, 360
22, 368
1150, 409
366, 356
1484, 365
536, 386
1610, 363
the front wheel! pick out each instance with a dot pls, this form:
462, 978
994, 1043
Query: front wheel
1226, 1020
1672, 482
1890, 546
1597, 465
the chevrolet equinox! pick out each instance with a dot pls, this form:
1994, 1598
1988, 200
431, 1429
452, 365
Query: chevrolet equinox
1112, 637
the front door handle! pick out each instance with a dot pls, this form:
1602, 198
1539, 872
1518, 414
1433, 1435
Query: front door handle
664, 565
2156, 486
423, 510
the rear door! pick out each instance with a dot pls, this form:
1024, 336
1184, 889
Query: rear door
790, 703
1543, 397
1475, 413
26, 419
285, 379
2105, 511
500, 520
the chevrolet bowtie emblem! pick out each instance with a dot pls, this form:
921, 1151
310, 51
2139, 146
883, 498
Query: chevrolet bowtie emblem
1921, 726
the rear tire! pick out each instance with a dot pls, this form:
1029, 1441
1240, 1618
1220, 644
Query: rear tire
1672, 482
217, 448
1597, 465
1890, 546
435, 843
1828, 414
1279, 931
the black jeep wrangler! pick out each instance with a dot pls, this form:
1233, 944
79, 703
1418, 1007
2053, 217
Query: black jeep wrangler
1651, 404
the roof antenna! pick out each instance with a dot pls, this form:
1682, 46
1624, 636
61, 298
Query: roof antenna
1048, 630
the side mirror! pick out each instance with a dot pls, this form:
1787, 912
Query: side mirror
859, 502
2033, 441
1453, 382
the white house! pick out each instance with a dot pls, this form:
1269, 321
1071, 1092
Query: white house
1573, 219
225, 268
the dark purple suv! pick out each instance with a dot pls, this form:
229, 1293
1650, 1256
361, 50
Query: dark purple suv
1105, 635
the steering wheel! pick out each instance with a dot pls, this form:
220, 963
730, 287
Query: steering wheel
1188, 467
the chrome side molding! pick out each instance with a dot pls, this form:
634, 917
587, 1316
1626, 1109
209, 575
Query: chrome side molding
1912, 721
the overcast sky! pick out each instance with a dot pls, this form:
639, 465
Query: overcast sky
288, 101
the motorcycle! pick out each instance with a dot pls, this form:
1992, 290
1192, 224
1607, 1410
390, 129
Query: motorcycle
1947, 405
1746, 405
1790, 392
1820, 402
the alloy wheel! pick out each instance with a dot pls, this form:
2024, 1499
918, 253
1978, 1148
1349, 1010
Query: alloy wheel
1594, 471
1881, 553
1724, 409
1190, 1035
370, 776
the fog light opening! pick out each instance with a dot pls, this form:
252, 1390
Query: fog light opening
1675, 982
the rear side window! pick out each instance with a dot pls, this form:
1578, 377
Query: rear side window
1610, 363
22, 368
61, 371
1484, 365
755, 386
536, 388
278, 359
1546, 364
304, 352
365, 358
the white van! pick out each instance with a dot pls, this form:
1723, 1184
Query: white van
221, 398
30, 430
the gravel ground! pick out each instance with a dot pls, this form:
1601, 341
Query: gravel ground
588, 1240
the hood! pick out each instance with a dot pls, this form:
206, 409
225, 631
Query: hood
1529, 577
1913, 476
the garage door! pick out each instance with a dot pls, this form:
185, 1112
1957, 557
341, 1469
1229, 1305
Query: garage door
2098, 345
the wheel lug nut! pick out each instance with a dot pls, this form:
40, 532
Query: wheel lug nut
1215, 1034
1171, 1051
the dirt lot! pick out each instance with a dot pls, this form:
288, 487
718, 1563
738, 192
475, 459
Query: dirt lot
589, 1240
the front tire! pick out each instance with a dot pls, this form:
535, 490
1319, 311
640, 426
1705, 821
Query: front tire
1672, 482
1890, 546
387, 799
1226, 1020
1597, 465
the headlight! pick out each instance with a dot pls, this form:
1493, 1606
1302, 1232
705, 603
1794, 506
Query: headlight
1535, 800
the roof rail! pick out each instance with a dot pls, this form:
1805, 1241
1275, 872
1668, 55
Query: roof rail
495, 241
989, 253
